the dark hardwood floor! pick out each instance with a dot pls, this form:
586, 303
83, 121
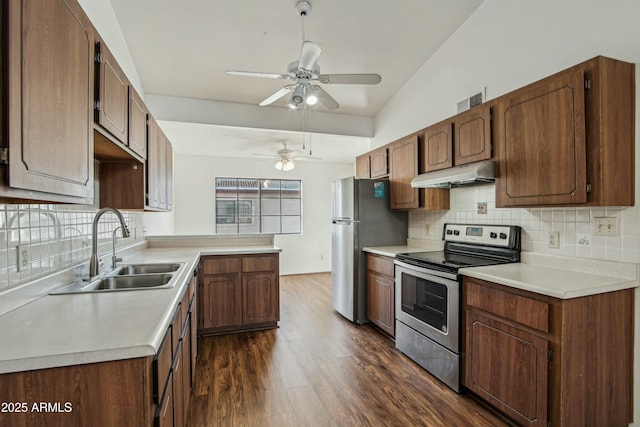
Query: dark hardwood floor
318, 369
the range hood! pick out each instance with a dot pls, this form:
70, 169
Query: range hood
473, 173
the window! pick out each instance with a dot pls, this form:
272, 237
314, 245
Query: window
258, 206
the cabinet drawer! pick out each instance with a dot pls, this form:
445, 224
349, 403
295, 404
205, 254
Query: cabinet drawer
221, 264
162, 366
260, 263
380, 264
526, 311
176, 329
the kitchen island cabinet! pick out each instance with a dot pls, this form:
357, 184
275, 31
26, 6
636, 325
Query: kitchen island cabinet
238, 293
49, 49
541, 359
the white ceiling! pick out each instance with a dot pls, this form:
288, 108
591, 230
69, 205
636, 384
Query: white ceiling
182, 48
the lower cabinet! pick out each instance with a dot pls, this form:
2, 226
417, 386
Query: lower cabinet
381, 292
540, 360
239, 292
173, 366
145, 391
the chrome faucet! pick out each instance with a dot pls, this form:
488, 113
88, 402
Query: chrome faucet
114, 258
94, 266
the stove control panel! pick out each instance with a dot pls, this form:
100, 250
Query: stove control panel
494, 235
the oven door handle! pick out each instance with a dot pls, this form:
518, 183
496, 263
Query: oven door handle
422, 270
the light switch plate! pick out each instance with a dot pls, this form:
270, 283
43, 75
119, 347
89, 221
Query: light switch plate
605, 226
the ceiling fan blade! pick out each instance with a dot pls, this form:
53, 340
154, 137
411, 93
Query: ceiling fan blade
309, 56
325, 99
257, 74
279, 94
350, 79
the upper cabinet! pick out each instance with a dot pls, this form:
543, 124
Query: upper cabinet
47, 101
462, 139
568, 140
137, 124
403, 156
112, 95
403, 167
374, 164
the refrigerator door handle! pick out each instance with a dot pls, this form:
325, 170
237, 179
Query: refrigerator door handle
345, 221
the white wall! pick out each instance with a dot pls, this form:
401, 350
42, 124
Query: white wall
194, 206
101, 14
504, 45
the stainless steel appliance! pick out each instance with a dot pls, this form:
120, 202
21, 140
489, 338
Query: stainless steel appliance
361, 217
429, 293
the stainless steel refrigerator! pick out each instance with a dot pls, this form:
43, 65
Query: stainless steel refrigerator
361, 218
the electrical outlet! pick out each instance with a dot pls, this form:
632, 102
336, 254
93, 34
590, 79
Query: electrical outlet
554, 239
427, 229
605, 226
24, 257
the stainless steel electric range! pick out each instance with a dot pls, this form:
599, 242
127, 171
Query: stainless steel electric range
429, 293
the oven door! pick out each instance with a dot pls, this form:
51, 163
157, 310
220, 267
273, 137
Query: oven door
429, 302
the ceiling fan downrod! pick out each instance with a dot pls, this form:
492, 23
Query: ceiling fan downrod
303, 8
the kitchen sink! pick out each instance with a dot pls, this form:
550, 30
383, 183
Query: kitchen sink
130, 277
135, 269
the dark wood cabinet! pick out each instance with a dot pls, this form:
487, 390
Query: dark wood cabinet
472, 135
49, 69
381, 293
569, 139
437, 147
403, 167
137, 124
539, 359
144, 391
112, 95
464, 138
238, 293
403, 159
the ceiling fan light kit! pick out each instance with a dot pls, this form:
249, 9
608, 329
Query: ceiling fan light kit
305, 71
285, 165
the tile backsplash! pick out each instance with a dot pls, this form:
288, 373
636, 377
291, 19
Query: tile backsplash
54, 237
476, 205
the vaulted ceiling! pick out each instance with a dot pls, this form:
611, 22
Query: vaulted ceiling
182, 48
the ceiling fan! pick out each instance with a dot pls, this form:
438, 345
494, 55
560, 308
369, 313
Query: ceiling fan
305, 72
285, 157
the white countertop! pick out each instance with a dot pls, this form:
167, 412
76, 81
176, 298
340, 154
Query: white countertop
413, 246
69, 329
560, 277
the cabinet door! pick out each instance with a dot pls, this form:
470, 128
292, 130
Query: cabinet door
507, 367
472, 135
157, 167
260, 297
379, 163
362, 166
137, 124
178, 387
541, 143
161, 165
436, 147
50, 73
113, 95
403, 159
164, 413
380, 302
221, 300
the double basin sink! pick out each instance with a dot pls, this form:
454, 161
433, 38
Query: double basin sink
128, 277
